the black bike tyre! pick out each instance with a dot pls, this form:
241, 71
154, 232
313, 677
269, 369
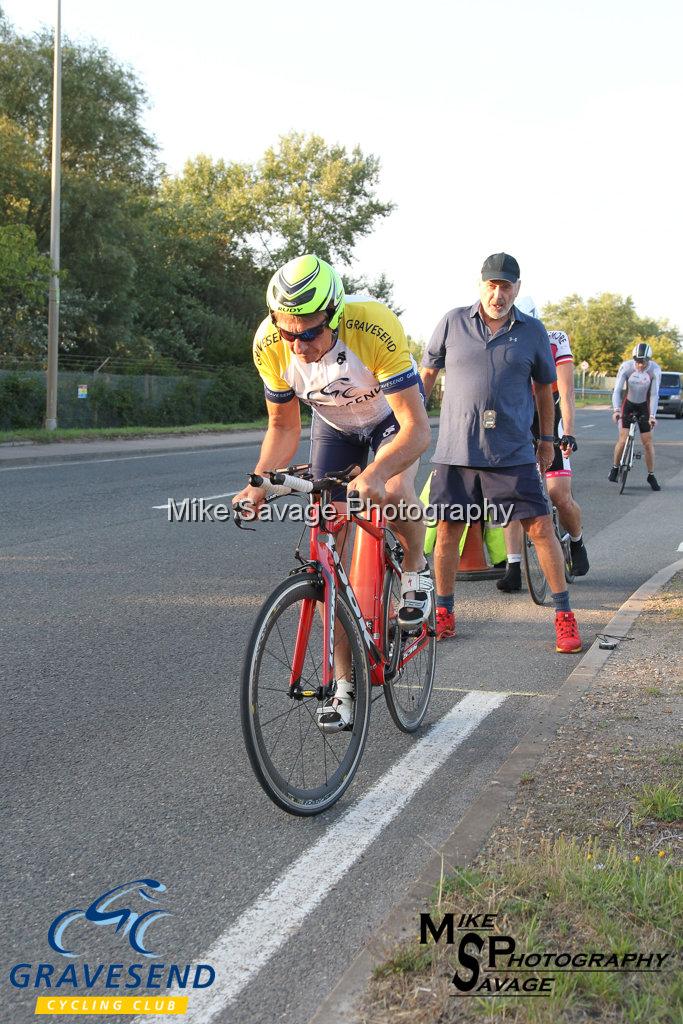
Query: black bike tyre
403, 720
625, 465
537, 590
568, 567
294, 800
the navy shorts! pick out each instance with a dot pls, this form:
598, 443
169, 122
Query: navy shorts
334, 450
455, 487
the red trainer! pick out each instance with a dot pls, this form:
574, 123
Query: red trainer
445, 623
567, 633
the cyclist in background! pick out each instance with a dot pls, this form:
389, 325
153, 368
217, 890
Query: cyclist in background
347, 358
639, 377
559, 474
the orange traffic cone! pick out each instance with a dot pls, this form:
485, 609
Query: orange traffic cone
473, 561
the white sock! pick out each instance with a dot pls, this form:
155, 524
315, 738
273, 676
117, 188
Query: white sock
576, 540
512, 559
344, 690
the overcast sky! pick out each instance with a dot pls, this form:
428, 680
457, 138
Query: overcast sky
551, 131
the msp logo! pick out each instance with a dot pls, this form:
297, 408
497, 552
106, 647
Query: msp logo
125, 920
72, 986
498, 967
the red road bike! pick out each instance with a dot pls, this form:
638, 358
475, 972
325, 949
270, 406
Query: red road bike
289, 669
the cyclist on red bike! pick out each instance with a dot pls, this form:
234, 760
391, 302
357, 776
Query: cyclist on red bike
347, 358
635, 396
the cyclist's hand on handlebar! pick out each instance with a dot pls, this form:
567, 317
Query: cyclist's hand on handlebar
568, 444
370, 486
652, 422
545, 453
248, 501
616, 415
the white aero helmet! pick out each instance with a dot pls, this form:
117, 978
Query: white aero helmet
642, 351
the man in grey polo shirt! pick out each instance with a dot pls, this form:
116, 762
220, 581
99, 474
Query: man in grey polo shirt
491, 354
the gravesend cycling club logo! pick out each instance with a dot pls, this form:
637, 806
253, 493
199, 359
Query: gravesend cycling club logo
493, 965
126, 921
125, 911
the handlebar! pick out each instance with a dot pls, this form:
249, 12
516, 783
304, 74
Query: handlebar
294, 480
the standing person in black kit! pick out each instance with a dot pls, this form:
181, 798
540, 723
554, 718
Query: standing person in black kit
491, 354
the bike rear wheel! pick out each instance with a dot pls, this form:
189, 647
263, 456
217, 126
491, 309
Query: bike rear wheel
302, 769
535, 579
568, 564
408, 684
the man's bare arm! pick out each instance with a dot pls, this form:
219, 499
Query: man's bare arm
565, 387
429, 375
278, 447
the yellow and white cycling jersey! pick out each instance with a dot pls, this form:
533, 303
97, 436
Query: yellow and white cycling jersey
347, 386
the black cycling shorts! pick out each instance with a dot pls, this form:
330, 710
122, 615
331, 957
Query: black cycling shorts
640, 411
560, 465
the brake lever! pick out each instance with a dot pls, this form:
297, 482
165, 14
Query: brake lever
239, 520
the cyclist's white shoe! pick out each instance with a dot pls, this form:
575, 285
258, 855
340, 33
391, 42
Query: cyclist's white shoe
415, 610
337, 712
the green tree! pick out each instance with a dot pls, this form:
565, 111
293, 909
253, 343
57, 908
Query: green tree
102, 107
24, 281
602, 327
311, 197
381, 288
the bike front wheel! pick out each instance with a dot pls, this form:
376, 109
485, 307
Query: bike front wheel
303, 769
409, 674
625, 464
535, 578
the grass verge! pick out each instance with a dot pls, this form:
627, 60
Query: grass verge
40, 436
587, 858
568, 898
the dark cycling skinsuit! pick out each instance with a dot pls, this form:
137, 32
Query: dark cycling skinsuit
562, 353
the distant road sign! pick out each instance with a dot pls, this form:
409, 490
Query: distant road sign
82, 390
584, 365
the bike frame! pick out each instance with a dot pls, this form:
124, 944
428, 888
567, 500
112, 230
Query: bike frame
368, 571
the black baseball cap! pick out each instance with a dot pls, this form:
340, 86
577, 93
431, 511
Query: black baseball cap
500, 267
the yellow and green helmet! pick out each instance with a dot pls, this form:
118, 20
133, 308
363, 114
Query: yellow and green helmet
307, 285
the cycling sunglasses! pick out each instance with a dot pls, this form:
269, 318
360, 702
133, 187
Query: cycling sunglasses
308, 335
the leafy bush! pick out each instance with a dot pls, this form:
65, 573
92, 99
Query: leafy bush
179, 407
118, 406
22, 401
235, 396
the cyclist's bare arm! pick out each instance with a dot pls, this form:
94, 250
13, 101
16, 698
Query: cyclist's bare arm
403, 450
617, 393
429, 375
279, 445
565, 387
546, 423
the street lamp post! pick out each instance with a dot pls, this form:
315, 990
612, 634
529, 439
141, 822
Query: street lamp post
53, 305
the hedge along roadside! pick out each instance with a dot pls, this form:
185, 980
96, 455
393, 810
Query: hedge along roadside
233, 395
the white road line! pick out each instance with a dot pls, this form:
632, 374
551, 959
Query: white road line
585, 426
278, 913
680, 546
211, 497
129, 458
